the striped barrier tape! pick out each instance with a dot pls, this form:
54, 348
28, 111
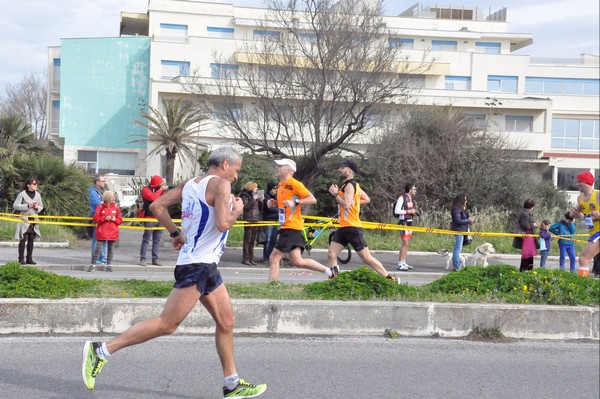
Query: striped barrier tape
310, 221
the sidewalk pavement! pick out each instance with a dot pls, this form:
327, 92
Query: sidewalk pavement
112, 316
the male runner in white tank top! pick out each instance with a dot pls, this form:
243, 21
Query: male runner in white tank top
208, 212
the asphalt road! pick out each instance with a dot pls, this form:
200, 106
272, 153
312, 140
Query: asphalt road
307, 367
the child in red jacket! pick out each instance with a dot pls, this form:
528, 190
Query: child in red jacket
107, 218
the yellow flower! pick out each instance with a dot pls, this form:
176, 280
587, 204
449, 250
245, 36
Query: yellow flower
524, 288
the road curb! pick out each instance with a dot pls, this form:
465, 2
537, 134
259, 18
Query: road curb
356, 318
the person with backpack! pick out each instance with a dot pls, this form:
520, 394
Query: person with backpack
405, 210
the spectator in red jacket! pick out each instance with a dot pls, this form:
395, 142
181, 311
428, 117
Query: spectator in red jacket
107, 218
150, 193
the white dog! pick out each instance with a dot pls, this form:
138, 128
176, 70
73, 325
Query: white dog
448, 257
481, 254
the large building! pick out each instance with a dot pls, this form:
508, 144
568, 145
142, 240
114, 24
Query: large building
549, 106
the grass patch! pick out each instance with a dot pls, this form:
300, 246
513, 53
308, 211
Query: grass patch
480, 333
494, 284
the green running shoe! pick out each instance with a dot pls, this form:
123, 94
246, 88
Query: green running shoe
244, 390
92, 363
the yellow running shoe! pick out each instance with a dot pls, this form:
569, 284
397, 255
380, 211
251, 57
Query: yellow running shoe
92, 363
244, 390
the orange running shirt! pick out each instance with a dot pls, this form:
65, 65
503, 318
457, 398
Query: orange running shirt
350, 218
292, 217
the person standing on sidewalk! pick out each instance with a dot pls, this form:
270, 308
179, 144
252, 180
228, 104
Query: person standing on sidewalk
588, 208
270, 213
107, 218
291, 195
565, 228
406, 210
28, 204
95, 198
349, 198
252, 214
460, 222
208, 212
150, 193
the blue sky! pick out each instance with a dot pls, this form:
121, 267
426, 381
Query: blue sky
561, 28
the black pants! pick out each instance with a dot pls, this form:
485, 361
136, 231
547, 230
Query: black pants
526, 264
27, 237
249, 240
596, 268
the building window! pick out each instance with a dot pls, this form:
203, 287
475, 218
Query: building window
575, 134
488, 47
103, 162
478, 120
173, 69
222, 71
518, 123
174, 32
567, 177
55, 115
225, 113
443, 45
56, 74
562, 86
458, 83
223, 33
405, 44
307, 38
504, 84
266, 35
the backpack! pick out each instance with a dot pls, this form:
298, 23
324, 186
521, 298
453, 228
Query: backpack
396, 215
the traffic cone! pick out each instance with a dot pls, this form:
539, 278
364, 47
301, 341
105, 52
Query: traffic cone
583, 271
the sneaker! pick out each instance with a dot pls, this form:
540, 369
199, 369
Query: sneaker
108, 268
156, 262
409, 266
244, 390
403, 267
92, 364
335, 270
393, 278
142, 262
91, 268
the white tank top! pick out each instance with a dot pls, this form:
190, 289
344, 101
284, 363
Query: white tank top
204, 243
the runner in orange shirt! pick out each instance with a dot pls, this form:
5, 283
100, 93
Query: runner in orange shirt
291, 195
349, 199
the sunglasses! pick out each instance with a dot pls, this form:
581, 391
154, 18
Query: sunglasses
34, 183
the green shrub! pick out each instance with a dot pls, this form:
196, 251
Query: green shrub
505, 283
358, 284
18, 281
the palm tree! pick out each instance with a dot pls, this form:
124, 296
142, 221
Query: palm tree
15, 134
172, 132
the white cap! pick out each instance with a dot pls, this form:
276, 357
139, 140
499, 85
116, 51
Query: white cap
286, 162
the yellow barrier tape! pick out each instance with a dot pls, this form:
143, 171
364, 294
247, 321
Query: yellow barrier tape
317, 221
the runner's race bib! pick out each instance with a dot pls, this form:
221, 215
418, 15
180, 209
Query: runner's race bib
589, 223
281, 216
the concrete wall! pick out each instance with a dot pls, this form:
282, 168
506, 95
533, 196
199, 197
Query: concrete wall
82, 316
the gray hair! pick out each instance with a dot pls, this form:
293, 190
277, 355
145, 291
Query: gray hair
106, 194
220, 154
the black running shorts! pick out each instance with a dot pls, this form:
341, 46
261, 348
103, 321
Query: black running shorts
288, 239
350, 235
205, 276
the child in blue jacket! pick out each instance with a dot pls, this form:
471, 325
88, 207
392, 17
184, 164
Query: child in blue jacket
545, 238
566, 229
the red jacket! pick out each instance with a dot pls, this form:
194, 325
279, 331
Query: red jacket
105, 229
